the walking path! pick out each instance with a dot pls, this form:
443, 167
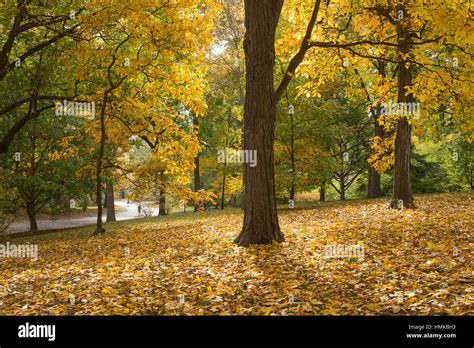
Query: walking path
130, 213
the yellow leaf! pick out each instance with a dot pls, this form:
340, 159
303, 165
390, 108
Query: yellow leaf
373, 306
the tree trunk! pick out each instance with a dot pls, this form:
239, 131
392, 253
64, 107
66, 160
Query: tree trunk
162, 201
402, 181
342, 193
30, 211
110, 201
374, 189
292, 159
292, 191
223, 187
85, 202
260, 210
58, 200
197, 175
99, 227
197, 181
322, 192
106, 195
402, 190
225, 163
471, 183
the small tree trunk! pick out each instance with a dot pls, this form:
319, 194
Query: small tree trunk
197, 182
342, 194
470, 178
223, 187
106, 195
30, 211
197, 175
58, 200
110, 201
99, 227
322, 192
374, 190
162, 200
292, 191
85, 202
162, 203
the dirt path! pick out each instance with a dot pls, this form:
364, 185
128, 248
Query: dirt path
130, 213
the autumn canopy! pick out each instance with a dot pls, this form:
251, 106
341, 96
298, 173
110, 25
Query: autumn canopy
223, 156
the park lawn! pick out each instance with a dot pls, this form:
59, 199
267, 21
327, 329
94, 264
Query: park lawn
415, 262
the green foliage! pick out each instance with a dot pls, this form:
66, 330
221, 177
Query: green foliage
428, 176
52, 153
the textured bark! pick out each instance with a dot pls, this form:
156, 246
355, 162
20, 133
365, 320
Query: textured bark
292, 191
30, 211
197, 174
224, 171
342, 193
374, 190
292, 158
260, 210
110, 201
99, 226
322, 192
106, 196
162, 201
85, 202
197, 181
162, 211
402, 179
223, 187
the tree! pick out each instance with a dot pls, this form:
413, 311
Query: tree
127, 64
260, 212
50, 155
351, 144
31, 32
304, 135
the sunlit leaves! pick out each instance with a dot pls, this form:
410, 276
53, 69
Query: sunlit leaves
415, 262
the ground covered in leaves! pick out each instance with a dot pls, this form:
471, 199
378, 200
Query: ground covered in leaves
415, 262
